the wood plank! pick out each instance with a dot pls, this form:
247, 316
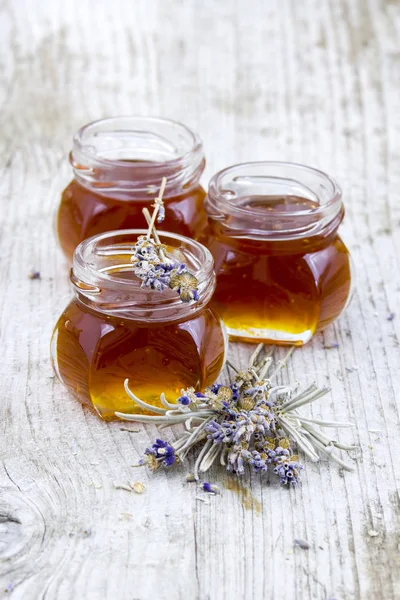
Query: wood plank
315, 82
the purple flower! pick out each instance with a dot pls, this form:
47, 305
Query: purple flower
215, 387
286, 469
257, 463
185, 400
156, 277
235, 391
180, 268
34, 275
158, 272
219, 432
243, 430
288, 472
163, 452
237, 458
209, 488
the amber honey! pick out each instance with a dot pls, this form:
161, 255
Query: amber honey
280, 275
118, 165
96, 353
113, 330
83, 213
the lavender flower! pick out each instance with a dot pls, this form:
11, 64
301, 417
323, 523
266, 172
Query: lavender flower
237, 458
184, 400
257, 462
210, 488
150, 262
286, 466
219, 432
160, 452
158, 272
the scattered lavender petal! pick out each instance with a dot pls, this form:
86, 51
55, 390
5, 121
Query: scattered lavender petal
209, 488
34, 275
303, 544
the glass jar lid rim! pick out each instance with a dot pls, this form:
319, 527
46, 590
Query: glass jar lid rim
216, 192
84, 249
196, 141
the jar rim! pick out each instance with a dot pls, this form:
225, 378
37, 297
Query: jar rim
78, 138
113, 294
336, 190
145, 149
233, 184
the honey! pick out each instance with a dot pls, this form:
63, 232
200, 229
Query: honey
84, 213
118, 164
96, 353
283, 272
114, 330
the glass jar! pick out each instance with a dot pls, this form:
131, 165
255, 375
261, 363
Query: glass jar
283, 272
113, 329
118, 164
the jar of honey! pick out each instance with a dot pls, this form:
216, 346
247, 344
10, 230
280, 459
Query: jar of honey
283, 272
118, 164
114, 329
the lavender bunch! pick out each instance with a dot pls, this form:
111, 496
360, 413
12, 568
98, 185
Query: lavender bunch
249, 424
151, 264
158, 272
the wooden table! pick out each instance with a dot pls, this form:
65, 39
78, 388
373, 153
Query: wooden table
309, 81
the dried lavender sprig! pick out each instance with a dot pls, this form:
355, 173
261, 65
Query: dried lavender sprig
159, 272
336, 424
282, 363
151, 264
255, 355
243, 424
158, 206
147, 216
177, 414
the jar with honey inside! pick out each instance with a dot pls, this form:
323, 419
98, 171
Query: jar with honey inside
115, 329
117, 165
283, 272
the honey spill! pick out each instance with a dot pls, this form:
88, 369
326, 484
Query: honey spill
248, 501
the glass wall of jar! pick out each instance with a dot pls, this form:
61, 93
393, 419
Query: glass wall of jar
118, 164
283, 272
114, 329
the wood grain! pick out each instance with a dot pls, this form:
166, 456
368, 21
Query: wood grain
312, 81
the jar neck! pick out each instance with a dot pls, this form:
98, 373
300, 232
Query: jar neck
130, 156
103, 279
274, 201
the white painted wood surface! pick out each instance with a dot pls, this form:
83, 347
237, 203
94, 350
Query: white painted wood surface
315, 81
